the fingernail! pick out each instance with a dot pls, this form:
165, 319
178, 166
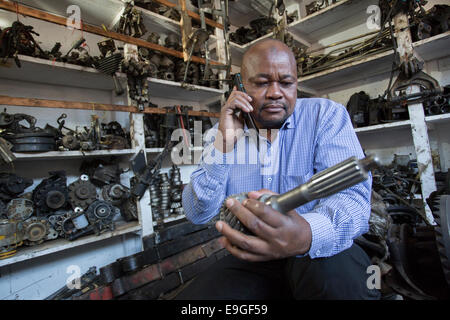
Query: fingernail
219, 226
244, 203
229, 202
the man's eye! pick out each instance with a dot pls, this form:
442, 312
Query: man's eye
286, 84
261, 83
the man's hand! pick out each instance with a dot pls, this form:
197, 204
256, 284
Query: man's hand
276, 235
229, 123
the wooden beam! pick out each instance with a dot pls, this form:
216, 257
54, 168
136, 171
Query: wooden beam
60, 104
42, 15
192, 14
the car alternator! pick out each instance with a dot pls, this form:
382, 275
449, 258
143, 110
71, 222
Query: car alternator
101, 215
82, 192
11, 232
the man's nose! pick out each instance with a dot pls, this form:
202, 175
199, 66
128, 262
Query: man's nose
273, 91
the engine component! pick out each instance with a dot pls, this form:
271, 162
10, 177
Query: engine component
82, 192
109, 65
6, 155
323, 184
33, 142
128, 209
101, 214
137, 74
70, 141
51, 194
12, 185
115, 193
131, 22
11, 236
19, 209
36, 231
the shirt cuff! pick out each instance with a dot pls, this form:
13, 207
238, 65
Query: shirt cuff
322, 232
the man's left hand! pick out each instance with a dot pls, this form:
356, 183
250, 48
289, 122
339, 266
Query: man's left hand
275, 235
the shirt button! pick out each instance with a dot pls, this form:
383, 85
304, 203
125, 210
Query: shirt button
317, 252
269, 179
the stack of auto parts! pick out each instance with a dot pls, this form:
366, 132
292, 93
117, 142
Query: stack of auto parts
171, 13
131, 22
171, 257
258, 28
433, 22
137, 73
54, 209
176, 207
26, 138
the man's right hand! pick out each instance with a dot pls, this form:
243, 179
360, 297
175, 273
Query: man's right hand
229, 123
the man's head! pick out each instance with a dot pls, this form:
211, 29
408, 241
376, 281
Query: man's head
269, 74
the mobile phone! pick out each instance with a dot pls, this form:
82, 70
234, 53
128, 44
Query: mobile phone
248, 118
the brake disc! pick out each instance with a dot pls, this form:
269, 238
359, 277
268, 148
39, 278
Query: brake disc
82, 192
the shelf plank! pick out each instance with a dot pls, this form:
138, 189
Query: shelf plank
439, 118
170, 219
332, 19
384, 126
60, 73
58, 245
434, 48
54, 155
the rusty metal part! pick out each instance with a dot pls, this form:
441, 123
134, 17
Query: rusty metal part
101, 214
51, 194
82, 192
19, 209
36, 230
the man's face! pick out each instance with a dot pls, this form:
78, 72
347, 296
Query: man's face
270, 78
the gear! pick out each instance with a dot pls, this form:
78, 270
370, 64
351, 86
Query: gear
226, 215
82, 193
441, 214
100, 214
51, 194
35, 230
115, 193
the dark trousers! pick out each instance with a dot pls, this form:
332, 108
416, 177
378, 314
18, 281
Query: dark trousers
342, 276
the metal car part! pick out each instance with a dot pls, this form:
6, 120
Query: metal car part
35, 230
19, 209
115, 193
101, 214
82, 192
441, 213
11, 232
323, 184
51, 194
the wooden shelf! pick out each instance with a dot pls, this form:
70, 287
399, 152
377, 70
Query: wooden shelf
54, 155
58, 245
66, 74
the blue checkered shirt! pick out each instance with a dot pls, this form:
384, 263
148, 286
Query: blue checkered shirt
316, 136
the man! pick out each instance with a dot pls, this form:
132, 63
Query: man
309, 252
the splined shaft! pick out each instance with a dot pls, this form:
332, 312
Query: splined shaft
323, 184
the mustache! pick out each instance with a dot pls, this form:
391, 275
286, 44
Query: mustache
269, 104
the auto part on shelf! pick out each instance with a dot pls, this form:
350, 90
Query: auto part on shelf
131, 22
109, 63
6, 155
12, 185
36, 230
19, 209
317, 5
258, 28
128, 209
323, 184
82, 192
18, 39
101, 214
33, 142
11, 232
51, 194
115, 193
430, 23
137, 73
101, 172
